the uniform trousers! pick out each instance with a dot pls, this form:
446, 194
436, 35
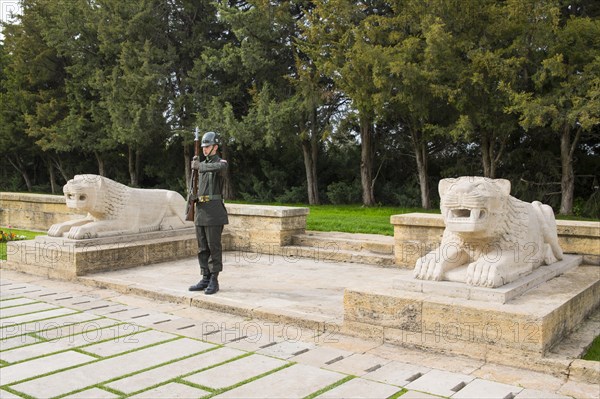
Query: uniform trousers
210, 250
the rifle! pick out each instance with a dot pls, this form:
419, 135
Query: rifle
193, 194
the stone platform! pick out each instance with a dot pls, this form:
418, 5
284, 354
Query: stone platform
501, 294
64, 258
526, 326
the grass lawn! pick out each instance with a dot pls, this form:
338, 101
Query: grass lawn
593, 352
9, 232
354, 218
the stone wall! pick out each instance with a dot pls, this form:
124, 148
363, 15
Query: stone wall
415, 234
33, 211
258, 228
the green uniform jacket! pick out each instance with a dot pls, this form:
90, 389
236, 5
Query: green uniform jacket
210, 183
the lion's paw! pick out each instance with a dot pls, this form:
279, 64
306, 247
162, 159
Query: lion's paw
56, 230
81, 232
428, 268
484, 273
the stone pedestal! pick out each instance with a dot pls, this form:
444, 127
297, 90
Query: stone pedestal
525, 326
259, 228
64, 258
416, 234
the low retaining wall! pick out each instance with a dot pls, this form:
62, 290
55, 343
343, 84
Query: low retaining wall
254, 228
416, 234
34, 211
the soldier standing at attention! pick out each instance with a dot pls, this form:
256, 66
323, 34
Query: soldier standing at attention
210, 215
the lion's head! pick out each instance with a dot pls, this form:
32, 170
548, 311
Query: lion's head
472, 204
94, 194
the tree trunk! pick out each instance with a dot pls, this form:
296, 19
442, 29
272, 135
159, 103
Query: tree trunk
567, 181
420, 150
51, 175
310, 167
101, 164
134, 164
17, 163
61, 169
187, 160
487, 156
366, 161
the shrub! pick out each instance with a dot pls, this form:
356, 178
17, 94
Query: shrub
343, 193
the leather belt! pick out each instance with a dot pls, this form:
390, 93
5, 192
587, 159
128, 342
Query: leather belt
206, 198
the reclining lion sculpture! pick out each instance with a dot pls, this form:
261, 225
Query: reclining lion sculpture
496, 236
116, 209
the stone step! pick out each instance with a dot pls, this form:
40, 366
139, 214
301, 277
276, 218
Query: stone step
371, 243
330, 253
372, 249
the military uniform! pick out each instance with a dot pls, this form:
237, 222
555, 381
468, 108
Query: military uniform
210, 215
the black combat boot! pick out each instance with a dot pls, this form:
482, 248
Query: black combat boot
202, 284
213, 284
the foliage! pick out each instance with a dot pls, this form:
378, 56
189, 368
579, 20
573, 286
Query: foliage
307, 95
343, 193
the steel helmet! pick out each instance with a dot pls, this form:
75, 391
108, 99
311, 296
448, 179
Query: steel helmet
209, 138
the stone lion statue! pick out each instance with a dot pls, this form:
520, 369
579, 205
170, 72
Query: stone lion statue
115, 209
495, 236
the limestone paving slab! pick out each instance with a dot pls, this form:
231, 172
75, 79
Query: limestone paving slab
253, 342
87, 375
129, 342
16, 342
483, 389
397, 373
32, 368
519, 377
418, 395
234, 372
176, 325
129, 315
151, 318
91, 305
296, 381
223, 337
8, 395
579, 390
8, 330
93, 393
69, 329
66, 342
172, 390
8, 313
320, 356
286, 349
440, 382
108, 311
167, 372
359, 388
536, 394
358, 364
7, 303
41, 318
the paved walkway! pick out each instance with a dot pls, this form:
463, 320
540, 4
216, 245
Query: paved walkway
139, 333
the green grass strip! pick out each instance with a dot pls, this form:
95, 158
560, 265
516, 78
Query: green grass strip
398, 394
330, 387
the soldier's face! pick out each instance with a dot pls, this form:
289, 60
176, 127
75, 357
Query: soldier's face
209, 150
